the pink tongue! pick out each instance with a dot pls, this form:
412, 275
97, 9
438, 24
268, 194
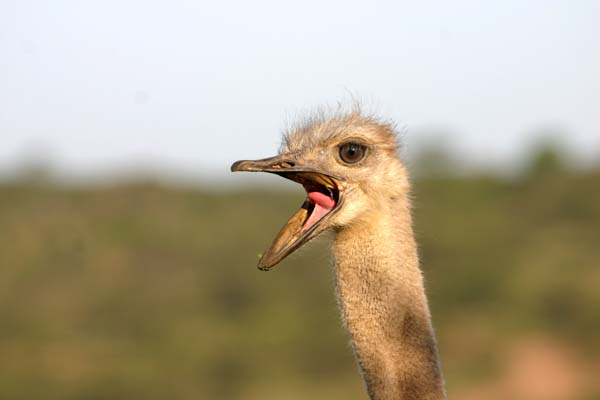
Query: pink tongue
322, 200
323, 204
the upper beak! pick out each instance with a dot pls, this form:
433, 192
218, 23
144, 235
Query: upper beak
295, 232
288, 168
271, 164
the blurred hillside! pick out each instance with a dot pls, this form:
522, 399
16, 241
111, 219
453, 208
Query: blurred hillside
139, 291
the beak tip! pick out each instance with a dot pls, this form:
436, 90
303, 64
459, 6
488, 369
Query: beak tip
264, 265
236, 166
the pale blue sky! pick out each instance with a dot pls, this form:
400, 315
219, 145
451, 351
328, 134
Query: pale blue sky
191, 86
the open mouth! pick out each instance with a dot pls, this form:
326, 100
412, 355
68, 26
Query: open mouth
324, 196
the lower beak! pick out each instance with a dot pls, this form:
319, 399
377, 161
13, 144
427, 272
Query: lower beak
300, 228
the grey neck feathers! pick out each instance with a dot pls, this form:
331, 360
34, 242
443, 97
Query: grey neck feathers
383, 303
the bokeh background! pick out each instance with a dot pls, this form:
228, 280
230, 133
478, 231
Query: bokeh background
127, 250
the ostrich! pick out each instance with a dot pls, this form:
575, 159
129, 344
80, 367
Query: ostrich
358, 188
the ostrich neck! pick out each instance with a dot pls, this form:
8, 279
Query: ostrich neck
381, 294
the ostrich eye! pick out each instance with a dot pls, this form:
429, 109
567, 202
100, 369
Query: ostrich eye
351, 152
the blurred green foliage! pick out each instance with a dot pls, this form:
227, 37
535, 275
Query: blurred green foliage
145, 292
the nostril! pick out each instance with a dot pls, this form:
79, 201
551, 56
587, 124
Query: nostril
288, 164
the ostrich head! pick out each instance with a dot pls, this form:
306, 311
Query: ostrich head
348, 166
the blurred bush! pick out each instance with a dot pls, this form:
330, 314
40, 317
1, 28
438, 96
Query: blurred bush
146, 292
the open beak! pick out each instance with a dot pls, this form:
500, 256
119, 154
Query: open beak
323, 199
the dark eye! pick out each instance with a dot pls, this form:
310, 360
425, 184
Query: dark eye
351, 152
